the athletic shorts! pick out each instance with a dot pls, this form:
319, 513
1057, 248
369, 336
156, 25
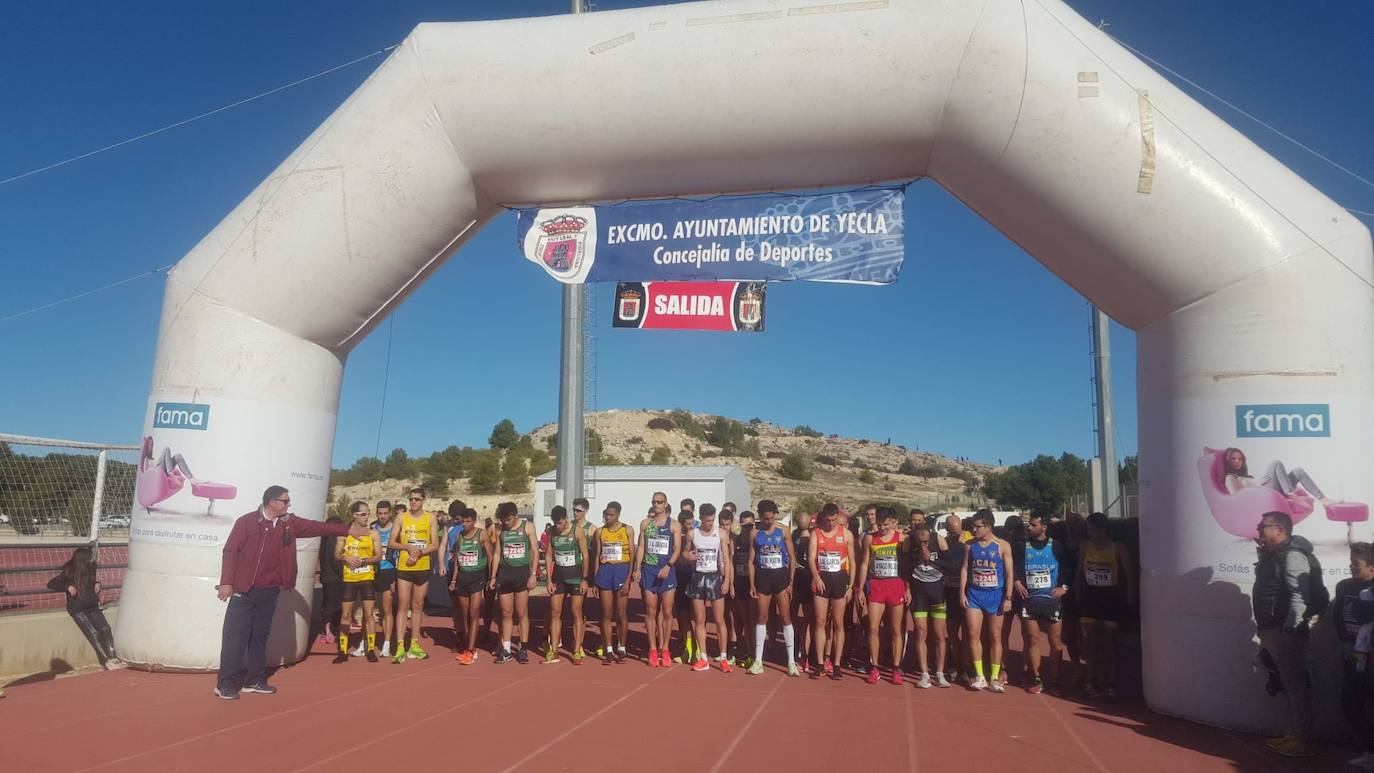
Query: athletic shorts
612, 576
414, 576
470, 583
650, 583
928, 600
886, 590
358, 591
836, 584
986, 600
704, 586
801, 587
742, 581
770, 582
564, 587
384, 580
512, 579
1106, 604
1043, 608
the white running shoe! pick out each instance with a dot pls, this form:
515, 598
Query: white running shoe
978, 684
996, 686
361, 649
386, 649
924, 682
941, 681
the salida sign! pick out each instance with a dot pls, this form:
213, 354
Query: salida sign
729, 306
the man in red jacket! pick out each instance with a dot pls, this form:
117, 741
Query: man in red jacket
259, 562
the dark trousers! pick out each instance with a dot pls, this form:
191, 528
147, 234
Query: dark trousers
243, 648
96, 630
332, 605
1357, 703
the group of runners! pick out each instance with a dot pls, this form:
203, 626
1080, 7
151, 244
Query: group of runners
948, 601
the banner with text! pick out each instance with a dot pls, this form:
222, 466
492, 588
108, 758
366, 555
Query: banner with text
855, 236
732, 306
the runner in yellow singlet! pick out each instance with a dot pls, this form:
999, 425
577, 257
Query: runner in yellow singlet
360, 556
415, 538
612, 552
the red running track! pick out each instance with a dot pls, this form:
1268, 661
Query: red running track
437, 715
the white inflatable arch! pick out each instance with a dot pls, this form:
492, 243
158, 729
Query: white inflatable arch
1248, 288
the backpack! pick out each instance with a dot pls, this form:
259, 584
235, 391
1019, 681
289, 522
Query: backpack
1318, 597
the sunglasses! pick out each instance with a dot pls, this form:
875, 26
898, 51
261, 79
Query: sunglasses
417, 499
286, 501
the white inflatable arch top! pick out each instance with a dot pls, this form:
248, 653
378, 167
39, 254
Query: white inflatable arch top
1249, 289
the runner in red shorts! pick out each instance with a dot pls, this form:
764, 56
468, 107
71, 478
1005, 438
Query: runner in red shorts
884, 591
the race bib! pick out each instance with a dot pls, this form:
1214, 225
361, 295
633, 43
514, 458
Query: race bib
657, 545
1038, 579
612, 552
513, 550
885, 567
565, 559
708, 560
985, 578
829, 561
770, 560
1098, 577
364, 569
418, 543
467, 559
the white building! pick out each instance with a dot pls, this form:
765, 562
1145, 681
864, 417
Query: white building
633, 487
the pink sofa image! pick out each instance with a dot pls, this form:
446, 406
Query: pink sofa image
1239, 512
154, 485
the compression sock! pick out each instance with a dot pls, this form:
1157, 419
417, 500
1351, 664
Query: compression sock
343, 642
978, 668
372, 641
760, 637
996, 669
790, 639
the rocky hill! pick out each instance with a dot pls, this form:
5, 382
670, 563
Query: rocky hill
777, 461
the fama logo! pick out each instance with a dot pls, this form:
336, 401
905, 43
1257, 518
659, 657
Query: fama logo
181, 416
1295, 420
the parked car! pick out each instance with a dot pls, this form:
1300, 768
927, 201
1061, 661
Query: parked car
114, 522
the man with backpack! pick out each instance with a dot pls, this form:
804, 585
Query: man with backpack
1288, 592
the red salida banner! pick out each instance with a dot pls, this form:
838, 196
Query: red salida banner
729, 306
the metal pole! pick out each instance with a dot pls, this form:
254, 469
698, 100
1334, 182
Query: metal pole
97, 505
571, 383
1106, 424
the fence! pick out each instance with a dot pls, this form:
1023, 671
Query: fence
1130, 505
55, 496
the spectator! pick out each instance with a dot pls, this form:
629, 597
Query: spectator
1283, 597
1353, 610
331, 581
78, 581
259, 562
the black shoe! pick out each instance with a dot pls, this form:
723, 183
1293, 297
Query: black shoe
342, 657
836, 674
226, 695
620, 656
372, 656
504, 656
261, 688
522, 655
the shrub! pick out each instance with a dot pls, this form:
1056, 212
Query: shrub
889, 487
825, 459
805, 431
485, 475
661, 456
794, 467
867, 476
810, 503
775, 454
663, 423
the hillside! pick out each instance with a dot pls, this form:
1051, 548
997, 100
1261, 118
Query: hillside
837, 465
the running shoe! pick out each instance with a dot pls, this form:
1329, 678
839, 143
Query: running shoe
725, 666
601, 652
342, 657
923, 682
1091, 692
386, 649
653, 658
664, 659
550, 655
997, 686
416, 653
522, 655
1037, 686
792, 669
577, 657
702, 665
372, 656
261, 688
606, 660
226, 695
1110, 695
837, 675
979, 683
1290, 746
362, 648
620, 655
897, 676
828, 668
941, 681
504, 656
400, 658
755, 668
873, 675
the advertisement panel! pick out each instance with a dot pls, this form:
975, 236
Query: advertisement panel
729, 306
854, 236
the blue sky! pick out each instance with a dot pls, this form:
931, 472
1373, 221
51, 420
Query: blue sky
978, 351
